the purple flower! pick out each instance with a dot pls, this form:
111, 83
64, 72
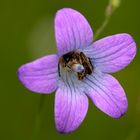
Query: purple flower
80, 70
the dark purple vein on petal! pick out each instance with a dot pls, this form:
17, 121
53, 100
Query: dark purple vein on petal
108, 94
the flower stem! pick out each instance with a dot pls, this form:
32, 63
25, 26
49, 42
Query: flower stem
110, 9
37, 125
101, 28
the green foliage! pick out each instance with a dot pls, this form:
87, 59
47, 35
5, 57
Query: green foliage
26, 33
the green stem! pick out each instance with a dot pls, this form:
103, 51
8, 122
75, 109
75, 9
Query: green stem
38, 119
101, 28
110, 9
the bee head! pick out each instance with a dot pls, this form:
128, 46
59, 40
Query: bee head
67, 57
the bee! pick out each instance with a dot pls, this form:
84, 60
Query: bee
68, 60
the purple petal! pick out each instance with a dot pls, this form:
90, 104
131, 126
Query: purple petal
41, 75
71, 107
107, 94
113, 53
72, 31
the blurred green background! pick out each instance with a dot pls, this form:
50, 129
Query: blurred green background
26, 33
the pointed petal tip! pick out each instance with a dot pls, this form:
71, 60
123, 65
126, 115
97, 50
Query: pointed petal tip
64, 131
107, 95
123, 113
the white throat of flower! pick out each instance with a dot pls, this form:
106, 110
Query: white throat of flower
74, 67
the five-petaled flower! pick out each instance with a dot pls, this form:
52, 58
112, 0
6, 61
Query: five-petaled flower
80, 70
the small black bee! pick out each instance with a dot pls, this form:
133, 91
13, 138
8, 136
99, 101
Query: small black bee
76, 57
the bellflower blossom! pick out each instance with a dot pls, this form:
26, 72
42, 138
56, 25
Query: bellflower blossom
80, 70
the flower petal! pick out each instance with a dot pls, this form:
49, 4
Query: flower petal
107, 94
71, 106
113, 53
41, 75
72, 31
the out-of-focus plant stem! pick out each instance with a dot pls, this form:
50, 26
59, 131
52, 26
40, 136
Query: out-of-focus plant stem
38, 119
110, 9
101, 28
